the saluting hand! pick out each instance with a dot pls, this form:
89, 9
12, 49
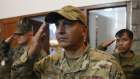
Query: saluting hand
105, 44
37, 42
10, 39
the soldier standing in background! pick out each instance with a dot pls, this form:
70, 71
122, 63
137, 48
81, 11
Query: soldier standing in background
77, 61
128, 60
24, 36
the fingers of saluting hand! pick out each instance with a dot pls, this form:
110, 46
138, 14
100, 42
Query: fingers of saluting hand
113, 40
37, 41
41, 29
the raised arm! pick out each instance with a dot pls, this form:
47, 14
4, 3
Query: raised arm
108, 43
10, 39
104, 45
38, 41
5, 45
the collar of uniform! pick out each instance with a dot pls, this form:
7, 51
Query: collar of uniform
117, 56
81, 64
127, 57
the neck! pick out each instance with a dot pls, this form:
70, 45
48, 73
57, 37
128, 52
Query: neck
75, 51
127, 54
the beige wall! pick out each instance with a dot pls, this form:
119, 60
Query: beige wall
12, 8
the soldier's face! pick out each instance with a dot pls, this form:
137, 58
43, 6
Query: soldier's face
124, 43
23, 38
69, 34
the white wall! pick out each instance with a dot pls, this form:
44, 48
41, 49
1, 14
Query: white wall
12, 8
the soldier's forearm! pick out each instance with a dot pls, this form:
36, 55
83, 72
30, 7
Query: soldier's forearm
100, 47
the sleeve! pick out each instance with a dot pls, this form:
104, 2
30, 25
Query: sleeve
41, 55
5, 47
6, 52
25, 66
100, 47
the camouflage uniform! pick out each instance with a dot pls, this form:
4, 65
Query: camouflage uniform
25, 72
94, 64
4, 67
130, 65
13, 54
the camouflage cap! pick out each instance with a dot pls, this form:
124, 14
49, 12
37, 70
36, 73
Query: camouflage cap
23, 28
68, 12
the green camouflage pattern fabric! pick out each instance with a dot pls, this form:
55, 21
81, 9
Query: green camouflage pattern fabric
4, 67
101, 48
14, 54
69, 12
20, 72
23, 28
5, 62
130, 65
94, 64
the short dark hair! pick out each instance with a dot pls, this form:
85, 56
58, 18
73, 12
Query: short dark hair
122, 31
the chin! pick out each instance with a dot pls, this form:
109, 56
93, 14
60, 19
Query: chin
123, 52
64, 45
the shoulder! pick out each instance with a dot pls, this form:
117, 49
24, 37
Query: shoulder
136, 58
100, 55
103, 58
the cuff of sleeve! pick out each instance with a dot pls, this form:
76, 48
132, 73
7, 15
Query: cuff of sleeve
5, 43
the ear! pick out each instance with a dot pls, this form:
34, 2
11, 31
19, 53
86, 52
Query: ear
85, 32
84, 28
132, 42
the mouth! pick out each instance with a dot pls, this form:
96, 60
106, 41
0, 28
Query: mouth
121, 48
62, 39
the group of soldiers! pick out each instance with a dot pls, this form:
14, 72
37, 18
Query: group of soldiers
77, 61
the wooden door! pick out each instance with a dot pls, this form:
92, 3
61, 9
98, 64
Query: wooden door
8, 26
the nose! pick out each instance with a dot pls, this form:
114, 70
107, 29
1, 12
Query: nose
60, 29
121, 42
